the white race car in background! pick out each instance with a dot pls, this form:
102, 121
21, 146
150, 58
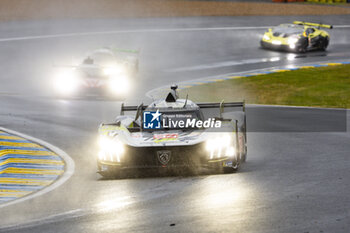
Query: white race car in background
104, 72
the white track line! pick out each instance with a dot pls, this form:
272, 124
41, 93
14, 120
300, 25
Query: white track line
223, 64
139, 31
126, 31
69, 167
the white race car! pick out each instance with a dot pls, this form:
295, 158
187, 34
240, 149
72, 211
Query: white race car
174, 133
103, 72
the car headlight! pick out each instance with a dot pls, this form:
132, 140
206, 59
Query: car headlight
110, 150
276, 42
66, 82
292, 40
221, 146
266, 37
119, 85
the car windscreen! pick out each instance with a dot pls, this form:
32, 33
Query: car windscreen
103, 59
287, 29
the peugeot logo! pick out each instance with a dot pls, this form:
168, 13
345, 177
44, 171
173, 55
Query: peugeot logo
164, 156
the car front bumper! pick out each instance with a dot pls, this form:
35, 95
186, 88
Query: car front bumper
149, 157
281, 47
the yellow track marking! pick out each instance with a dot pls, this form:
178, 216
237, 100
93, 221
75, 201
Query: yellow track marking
13, 170
333, 64
33, 157
256, 74
281, 70
36, 161
13, 194
233, 77
21, 144
13, 191
11, 137
26, 152
25, 181
217, 80
306, 67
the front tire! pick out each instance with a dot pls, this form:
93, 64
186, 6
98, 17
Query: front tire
302, 45
235, 165
107, 173
324, 43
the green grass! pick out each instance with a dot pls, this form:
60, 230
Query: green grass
317, 87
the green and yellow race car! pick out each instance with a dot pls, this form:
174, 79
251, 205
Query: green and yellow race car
296, 37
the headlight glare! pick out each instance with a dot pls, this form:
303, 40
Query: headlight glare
220, 146
266, 37
113, 70
276, 42
119, 85
110, 149
66, 82
292, 40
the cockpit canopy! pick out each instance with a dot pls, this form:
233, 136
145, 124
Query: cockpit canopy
286, 30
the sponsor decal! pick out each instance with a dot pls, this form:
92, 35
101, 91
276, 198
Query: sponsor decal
92, 82
154, 120
164, 156
165, 137
151, 120
136, 135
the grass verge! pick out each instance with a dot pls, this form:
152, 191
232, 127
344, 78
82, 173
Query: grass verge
315, 87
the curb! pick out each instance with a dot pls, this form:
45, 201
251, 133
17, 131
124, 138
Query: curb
29, 167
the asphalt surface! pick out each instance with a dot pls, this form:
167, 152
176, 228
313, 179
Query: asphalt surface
294, 180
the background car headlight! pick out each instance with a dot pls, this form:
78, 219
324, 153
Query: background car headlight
66, 82
221, 146
114, 69
119, 85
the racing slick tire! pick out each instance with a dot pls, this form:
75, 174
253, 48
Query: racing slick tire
324, 43
235, 162
244, 153
108, 173
302, 45
242, 128
235, 165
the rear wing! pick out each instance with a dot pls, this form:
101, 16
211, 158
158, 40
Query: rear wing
129, 51
220, 106
223, 105
131, 108
200, 105
319, 25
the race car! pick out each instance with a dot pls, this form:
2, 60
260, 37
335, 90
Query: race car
298, 37
174, 133
103, 72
